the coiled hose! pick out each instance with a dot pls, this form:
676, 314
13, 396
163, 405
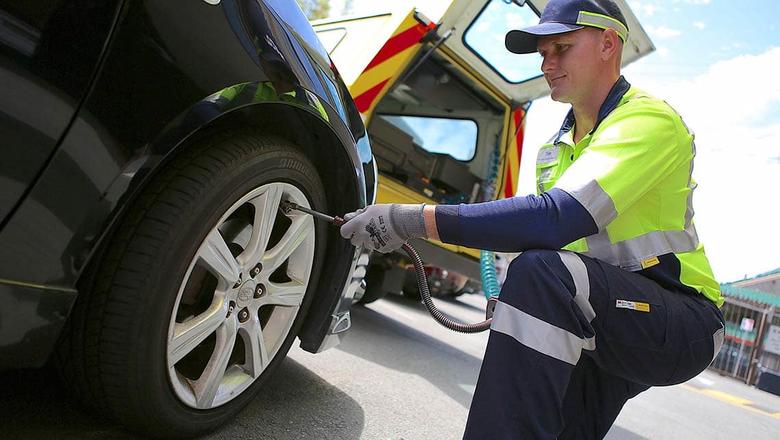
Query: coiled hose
422, 283
487, 271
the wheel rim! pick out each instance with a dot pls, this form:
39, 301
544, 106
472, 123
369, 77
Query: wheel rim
240, 297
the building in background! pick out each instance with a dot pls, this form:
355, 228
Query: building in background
766, 282
751, 350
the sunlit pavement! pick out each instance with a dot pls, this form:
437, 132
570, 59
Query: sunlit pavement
414, 380
399, 375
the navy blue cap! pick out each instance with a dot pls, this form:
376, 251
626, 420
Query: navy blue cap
561, 16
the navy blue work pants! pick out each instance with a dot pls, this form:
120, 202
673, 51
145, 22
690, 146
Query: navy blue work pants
573, 338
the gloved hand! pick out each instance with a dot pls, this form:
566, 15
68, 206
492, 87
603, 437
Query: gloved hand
384, 228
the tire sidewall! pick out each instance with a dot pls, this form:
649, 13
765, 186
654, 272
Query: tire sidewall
149, 367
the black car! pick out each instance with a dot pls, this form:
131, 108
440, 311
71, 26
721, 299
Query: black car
145, 148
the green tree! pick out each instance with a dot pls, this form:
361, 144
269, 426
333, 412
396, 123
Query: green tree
315, 9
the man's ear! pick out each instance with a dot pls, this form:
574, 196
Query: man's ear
610, 44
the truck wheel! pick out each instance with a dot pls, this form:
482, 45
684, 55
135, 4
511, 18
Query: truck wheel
374, 284
201, 290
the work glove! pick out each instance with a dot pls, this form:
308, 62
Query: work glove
384, 228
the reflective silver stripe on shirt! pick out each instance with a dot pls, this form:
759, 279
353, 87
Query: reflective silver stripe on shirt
579, 274
596, 201
629, 254
536, 334
692, 186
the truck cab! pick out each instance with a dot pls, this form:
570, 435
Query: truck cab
444, 104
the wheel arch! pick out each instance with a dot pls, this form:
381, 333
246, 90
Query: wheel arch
318, 139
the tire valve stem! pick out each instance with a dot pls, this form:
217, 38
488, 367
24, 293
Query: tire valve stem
287, 206
231, 307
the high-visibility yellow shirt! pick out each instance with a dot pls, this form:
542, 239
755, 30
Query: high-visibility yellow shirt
632, 173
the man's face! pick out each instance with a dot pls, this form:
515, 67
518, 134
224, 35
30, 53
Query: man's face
570, 63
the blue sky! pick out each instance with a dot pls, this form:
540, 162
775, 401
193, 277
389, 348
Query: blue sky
718, 63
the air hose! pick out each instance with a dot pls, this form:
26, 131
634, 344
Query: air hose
422, 279
422, 283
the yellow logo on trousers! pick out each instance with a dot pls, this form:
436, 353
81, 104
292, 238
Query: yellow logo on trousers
632, 305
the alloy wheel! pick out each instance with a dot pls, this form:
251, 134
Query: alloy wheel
240, 297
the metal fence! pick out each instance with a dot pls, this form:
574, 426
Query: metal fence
743, 355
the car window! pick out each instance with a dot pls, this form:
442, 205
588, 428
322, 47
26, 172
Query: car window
456, 137
485, 37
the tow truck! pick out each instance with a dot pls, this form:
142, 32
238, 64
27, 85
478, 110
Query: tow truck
445, 104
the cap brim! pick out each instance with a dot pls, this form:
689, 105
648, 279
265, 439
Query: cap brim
524, 40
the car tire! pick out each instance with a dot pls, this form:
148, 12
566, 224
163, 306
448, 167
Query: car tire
135, 340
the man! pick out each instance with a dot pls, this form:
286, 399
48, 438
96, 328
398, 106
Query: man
632, 302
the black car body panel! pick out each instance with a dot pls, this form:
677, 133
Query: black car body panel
46, 66
169, 70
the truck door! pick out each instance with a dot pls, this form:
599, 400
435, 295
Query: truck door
477, 30
48, 54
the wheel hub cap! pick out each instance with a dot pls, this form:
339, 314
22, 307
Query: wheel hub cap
246, 293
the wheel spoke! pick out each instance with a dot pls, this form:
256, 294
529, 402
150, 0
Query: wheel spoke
288, 294
216, 255
207, 385
301, 227
187, 335
266, 205
257, 352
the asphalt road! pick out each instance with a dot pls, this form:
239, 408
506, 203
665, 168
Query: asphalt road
398, 375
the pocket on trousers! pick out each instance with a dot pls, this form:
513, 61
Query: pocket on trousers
637, 322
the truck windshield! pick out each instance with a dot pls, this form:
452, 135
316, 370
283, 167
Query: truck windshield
456, 137
485, 37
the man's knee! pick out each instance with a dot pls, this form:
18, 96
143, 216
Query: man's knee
532, 261
538, 272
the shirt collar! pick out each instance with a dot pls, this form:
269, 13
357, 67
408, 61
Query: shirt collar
614, 96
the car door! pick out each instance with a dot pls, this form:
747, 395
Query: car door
48, 54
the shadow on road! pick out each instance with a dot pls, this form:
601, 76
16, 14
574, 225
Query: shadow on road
398, 346
34, 405
618, 433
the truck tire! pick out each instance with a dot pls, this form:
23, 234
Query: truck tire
374, 284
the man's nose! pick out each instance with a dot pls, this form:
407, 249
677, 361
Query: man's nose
547, 63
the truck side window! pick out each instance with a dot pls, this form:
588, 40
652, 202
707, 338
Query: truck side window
485, 37
456, 137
